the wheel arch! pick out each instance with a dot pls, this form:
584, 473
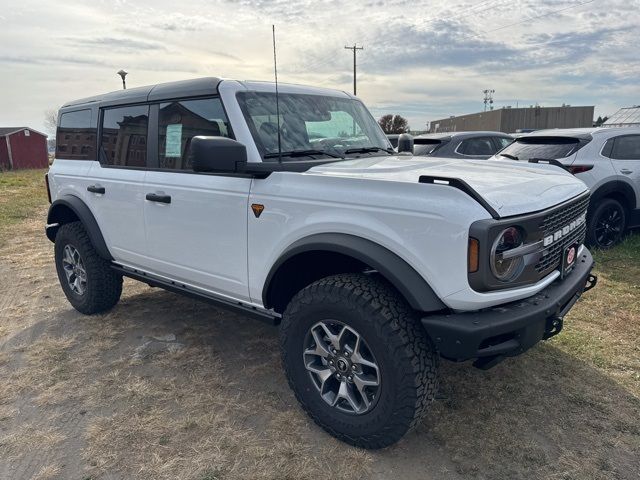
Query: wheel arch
70, 208
617, 190
321, 255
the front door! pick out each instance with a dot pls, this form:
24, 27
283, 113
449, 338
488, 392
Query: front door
196, 224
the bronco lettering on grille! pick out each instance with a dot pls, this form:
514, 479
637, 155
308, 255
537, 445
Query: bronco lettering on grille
564, 231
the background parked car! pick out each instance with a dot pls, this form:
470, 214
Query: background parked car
460, 144
607, 160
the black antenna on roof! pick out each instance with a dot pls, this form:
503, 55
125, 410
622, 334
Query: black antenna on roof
275, 71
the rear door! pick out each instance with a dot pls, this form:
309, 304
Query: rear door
196, 223
115, 190
625, 156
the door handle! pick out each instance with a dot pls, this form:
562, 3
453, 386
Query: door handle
157, 197
626, 171
95, 189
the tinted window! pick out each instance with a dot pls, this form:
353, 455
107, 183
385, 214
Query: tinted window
124, 136
180, 121
426, 146
626, 148
477, 146
502, 142
551, 148
76, 137
606, 150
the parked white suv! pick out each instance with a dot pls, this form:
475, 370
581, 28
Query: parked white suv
294, 209
607, 160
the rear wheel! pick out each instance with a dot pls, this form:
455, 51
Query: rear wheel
358, 360
607, 224
88, 281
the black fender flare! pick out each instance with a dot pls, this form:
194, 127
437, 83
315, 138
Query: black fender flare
398, 272
59, 214
618, 187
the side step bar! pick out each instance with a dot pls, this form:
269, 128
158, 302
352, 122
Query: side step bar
177, 287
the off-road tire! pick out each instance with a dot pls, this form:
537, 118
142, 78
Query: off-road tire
407, 358
103, 286
594, 217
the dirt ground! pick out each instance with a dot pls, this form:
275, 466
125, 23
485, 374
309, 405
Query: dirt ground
164, 387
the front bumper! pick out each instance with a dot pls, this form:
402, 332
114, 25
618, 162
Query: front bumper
510, 329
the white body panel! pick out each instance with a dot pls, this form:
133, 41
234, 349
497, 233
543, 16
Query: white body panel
200, 237
119, 211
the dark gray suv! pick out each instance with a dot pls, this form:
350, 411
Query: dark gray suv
467, 145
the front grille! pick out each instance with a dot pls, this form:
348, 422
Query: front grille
554, 221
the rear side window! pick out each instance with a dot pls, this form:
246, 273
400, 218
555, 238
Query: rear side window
502, 142
180, 121
76, 136
124, 136
477, 146
626, 148
550, 148
426, 146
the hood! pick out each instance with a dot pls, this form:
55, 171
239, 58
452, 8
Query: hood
510, 188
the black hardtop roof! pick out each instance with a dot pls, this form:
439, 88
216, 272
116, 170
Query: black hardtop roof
162, 91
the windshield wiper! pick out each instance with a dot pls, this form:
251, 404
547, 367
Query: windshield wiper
368, 150
508, 155
302, 153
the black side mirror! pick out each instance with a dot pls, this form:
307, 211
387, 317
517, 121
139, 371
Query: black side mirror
405, 143
217, 154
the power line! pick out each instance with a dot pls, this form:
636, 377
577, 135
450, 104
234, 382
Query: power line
354, 48
535, 18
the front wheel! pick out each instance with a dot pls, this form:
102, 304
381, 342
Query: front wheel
607, 224
358, 360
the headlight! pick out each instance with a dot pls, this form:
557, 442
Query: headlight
503, 266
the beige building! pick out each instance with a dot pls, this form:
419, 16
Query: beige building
510, 120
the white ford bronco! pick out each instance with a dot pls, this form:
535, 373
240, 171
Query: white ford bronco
295, 209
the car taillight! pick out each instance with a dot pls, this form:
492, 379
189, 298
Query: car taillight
46, 182
579, 168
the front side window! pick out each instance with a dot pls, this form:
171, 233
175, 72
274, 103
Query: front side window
180, 121
549, 148
333, 126
76, 136
626, 147
124, 136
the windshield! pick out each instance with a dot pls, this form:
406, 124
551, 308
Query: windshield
550, 148
313, 125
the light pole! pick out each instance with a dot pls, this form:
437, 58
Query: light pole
123, 74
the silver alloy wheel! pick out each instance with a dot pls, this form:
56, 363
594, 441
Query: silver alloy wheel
74, 269
342, 367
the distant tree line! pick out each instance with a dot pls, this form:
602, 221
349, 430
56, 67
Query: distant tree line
393, 124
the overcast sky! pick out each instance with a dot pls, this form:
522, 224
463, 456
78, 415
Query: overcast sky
424, 60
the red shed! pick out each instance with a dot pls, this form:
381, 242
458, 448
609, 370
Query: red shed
22, 147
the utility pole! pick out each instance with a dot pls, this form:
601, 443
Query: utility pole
354, 48
488, 99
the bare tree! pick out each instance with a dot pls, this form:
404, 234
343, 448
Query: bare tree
393, 124
51, 121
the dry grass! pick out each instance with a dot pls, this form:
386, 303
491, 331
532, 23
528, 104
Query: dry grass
21, 193
48, 472
603, 329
